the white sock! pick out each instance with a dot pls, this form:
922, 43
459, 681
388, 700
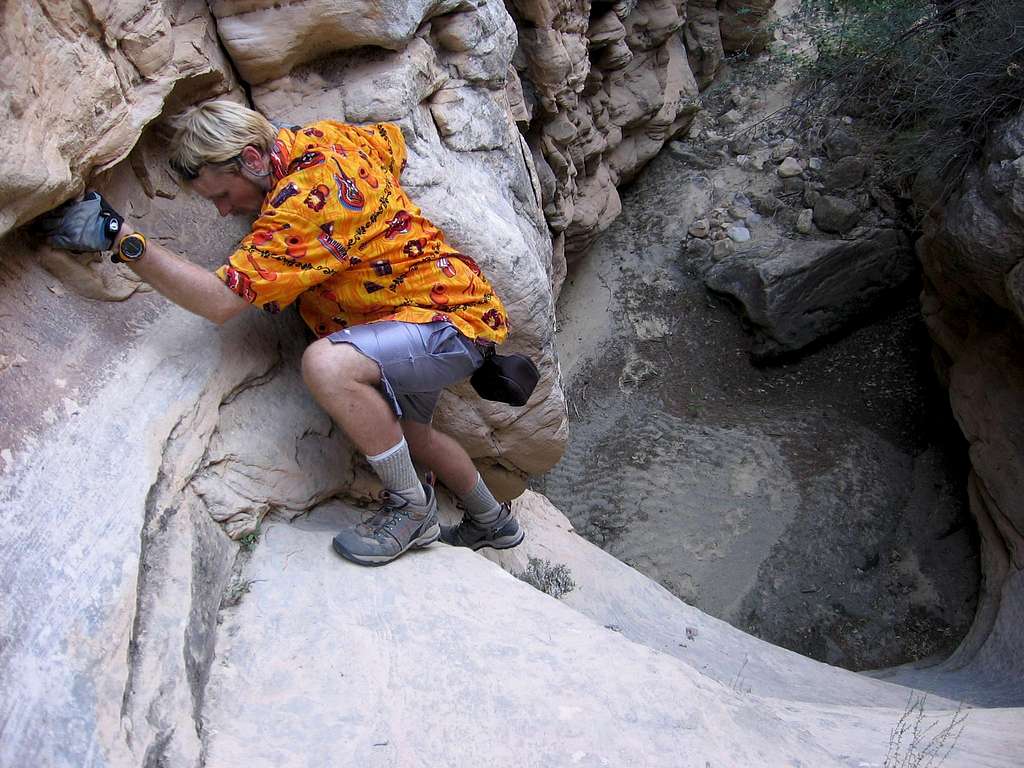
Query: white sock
395, 469
480, 503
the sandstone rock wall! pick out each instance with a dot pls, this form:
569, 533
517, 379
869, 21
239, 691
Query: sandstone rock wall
972, 252
614, 672
132, 428
605, 85
469, 168
595, 88
80, 82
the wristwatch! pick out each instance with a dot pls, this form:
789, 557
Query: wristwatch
131, 248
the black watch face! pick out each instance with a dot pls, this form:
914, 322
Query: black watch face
132, 247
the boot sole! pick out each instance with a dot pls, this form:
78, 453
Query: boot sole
502, 543
425, 539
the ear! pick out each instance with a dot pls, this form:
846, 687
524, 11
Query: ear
252, 159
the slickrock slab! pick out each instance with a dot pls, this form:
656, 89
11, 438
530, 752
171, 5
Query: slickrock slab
441, 658
328, 663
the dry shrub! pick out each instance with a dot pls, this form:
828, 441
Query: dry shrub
935, 76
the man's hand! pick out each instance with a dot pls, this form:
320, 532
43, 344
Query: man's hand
89, 224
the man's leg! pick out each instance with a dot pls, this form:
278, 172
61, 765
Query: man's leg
344, 381
488, 522
442, 455
349, 373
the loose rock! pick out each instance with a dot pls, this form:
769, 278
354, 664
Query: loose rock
840, 144
699, 248
688, 156
767, 205
804, 221
700, 228
740, 145
789, 167
739, 212
793, 185
732, 117
847, 173
785, 148
834, 214
760, 157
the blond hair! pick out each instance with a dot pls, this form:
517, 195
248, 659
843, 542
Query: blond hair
215, 133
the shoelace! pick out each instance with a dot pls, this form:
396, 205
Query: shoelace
386, 516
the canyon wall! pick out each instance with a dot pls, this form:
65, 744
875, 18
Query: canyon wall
972, 254
139, 440
517, 139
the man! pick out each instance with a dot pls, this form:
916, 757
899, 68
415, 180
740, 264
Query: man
398, 313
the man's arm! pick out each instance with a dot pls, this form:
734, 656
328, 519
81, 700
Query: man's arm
186, 284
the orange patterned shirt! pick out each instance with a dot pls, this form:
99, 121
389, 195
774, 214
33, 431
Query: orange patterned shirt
338, 233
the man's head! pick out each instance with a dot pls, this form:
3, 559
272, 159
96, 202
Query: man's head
223, 150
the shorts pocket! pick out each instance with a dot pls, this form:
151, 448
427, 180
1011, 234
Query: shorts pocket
451, 356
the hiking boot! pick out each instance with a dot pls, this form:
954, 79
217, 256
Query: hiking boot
397, 526
504, 533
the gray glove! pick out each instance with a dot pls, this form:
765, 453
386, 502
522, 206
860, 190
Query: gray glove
89, 224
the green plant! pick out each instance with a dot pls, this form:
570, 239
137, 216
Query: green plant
250, 540
915, 743
552, 579
234, 591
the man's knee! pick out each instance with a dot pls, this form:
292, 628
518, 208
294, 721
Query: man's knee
325, 362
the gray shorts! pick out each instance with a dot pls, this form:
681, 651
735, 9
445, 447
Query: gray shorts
417, 361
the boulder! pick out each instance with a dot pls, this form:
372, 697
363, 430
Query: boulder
847, 173
797, 292
834, 214
839, 143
